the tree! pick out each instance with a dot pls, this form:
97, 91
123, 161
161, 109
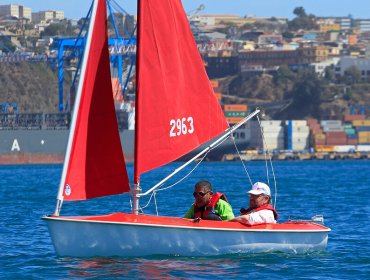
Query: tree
302, 20
306, 94
352, 75
300, 12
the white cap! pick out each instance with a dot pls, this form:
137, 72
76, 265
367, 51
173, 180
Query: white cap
260, 188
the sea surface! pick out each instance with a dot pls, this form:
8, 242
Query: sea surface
339, 190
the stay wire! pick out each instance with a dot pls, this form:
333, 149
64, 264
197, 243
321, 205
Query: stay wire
242, 161
268, 154
170, 186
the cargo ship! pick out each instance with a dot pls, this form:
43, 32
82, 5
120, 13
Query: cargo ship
41, 138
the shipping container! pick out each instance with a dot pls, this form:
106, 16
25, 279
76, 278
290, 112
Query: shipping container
295, 123
266, 123
312, 122
324, 148
233, 120
344, 148
353, 141
336, 134
300, 129
235, 107
234, 114
214, 83
361, 123
363, 148
300, 135
319, 136
332, 129
331, 123
268, 129
349, 118
362, 128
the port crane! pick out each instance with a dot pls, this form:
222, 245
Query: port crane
122, 51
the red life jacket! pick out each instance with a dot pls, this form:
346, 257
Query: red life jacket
202, 212
263, 207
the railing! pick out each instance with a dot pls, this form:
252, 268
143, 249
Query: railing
14, 121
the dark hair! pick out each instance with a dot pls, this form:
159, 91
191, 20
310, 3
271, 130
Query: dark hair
204, 184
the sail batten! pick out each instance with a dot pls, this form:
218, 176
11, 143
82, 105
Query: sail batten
176, 108
94, 164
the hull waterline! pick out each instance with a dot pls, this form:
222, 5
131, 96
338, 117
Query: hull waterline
130, 235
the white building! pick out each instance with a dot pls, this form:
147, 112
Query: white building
17, 11
363, 24
361, 63
47, 16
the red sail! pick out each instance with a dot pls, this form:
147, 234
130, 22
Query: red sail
176, 108
96, 164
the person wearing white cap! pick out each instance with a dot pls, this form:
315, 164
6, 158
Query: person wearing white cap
260, 211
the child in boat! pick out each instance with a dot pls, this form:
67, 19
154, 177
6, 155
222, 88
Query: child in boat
260, 211
209, 205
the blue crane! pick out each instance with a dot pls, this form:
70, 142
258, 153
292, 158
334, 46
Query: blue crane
120, 48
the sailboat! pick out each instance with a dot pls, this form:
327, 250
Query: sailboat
176, 111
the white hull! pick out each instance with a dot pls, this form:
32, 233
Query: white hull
81, 238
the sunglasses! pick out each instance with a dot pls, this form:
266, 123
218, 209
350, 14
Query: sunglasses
199, 193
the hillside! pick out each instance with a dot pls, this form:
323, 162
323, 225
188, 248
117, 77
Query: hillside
32, 86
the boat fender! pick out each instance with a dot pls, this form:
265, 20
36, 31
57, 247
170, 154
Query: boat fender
208, 212
244, 211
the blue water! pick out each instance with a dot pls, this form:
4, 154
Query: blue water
339, 190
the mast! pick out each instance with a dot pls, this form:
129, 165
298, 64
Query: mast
60, 196
137, 189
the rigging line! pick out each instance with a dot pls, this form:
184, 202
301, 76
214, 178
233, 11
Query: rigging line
265, 150
165, 188
187, 175
147, 204
242, 161
155, 202
270, 161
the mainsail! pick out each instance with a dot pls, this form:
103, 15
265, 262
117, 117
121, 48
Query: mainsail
176, 109
94, 164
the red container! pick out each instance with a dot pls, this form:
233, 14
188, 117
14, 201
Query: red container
336, 134
352, 141
349, 118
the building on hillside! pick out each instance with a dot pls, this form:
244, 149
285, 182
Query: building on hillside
320, 66
329, 27
18, 11
361, 63
47, 16
363, 24
270, 57
270, 39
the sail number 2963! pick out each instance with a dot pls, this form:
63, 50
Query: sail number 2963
181, 126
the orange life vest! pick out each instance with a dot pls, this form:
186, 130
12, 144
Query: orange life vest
263, 207
203, 212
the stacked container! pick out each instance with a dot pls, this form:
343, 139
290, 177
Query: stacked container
351, 134
273, 132
334, 131
297, 135
318, 138
234, 113
363, 131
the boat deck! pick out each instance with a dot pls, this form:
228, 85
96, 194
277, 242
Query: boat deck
158, 221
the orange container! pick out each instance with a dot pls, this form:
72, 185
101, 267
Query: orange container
233, 120
236, 107
361, 123
214, 83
